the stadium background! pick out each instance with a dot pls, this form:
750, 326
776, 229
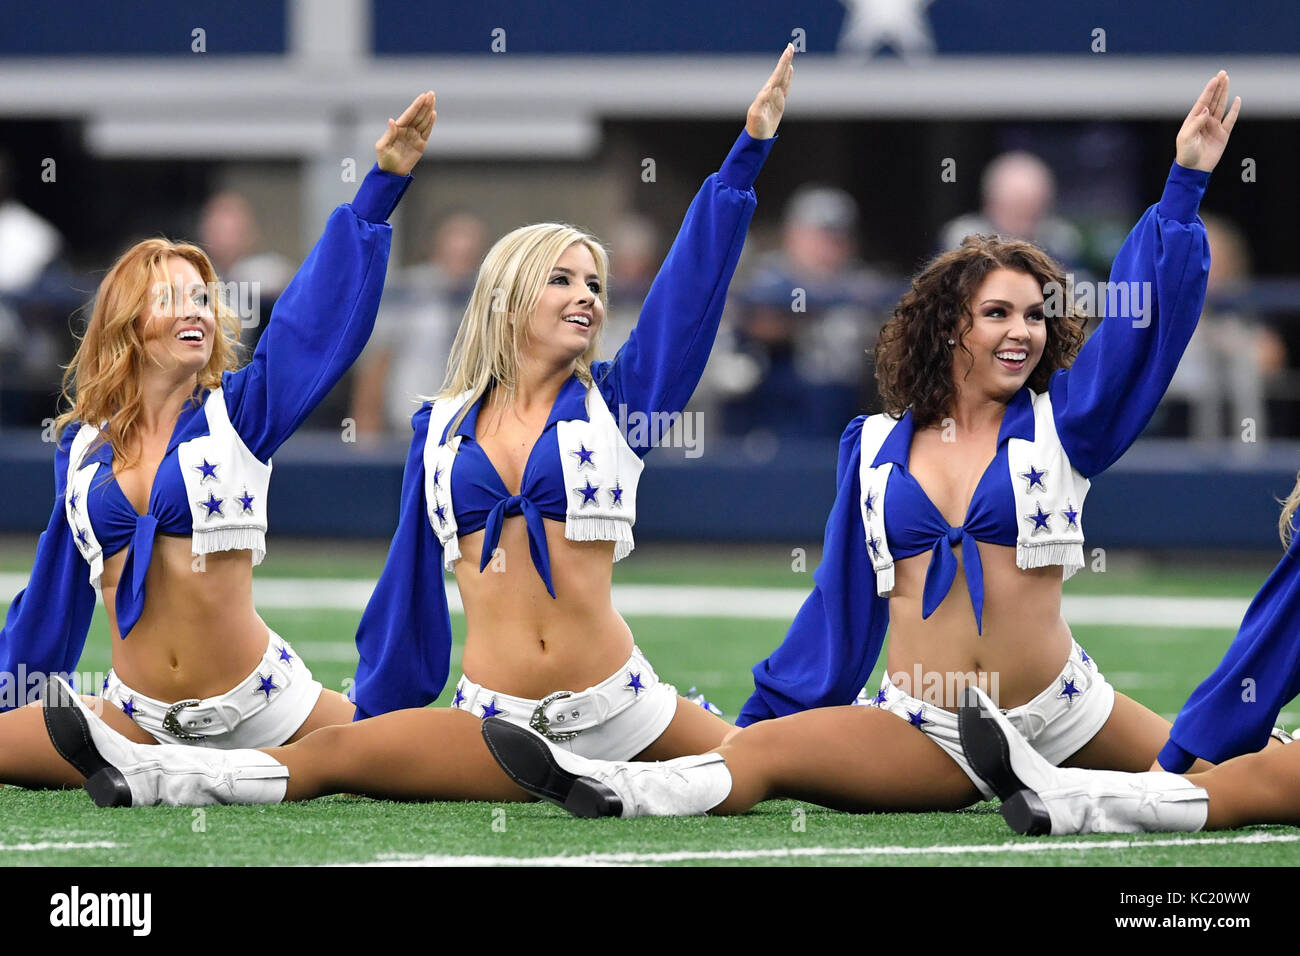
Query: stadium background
551, 112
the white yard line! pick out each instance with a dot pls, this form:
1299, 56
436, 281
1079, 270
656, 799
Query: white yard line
37, 847
757, 604
780, 853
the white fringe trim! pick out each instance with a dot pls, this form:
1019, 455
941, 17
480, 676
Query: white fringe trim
592, 528
96, 569
450, 553
212, 540
1068, 555
885, 580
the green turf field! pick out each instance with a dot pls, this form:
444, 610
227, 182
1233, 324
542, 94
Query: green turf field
1157, 665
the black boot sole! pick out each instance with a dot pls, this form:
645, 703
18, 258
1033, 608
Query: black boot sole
70, 734
527, 761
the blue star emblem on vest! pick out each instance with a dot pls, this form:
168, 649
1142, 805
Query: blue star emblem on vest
246, 502
1034, 477
588, 494
869, 504
1040, 519
616, 496
206, 471
583, 454
213, 504
1071, 515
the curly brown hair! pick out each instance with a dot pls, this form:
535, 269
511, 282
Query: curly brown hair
913, 357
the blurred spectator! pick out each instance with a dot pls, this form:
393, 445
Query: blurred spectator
635, 257
229, 233
37, 293
1017, 192
418, 317
797, 363
1230, 357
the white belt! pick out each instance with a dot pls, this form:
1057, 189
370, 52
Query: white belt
564, 714
187, 719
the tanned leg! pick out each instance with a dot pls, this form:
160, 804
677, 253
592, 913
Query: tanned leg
848, 758
428, 754
332, 708
1261, 787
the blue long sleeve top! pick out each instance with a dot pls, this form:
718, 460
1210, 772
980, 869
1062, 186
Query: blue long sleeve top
404, 638
1233, 710
318, 327
1100, 405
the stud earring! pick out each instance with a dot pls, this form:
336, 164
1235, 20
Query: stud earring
952, 341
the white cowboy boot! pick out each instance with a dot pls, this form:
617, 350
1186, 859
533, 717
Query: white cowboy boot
122, 773
686, 786
1039, 798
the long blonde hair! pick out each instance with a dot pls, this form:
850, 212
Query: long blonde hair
1284, 526
103, 382
486, 351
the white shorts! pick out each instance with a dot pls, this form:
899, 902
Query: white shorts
263, 710
1058, 722
613, 720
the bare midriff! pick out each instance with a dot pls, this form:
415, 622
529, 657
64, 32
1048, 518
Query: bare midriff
198, 635
1023, 647
521, 641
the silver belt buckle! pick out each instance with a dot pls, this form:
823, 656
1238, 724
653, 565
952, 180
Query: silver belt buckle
542, 725
173, 726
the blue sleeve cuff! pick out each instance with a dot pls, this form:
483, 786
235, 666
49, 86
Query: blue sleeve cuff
1174, 758
1183, 192
740, 168
378, 195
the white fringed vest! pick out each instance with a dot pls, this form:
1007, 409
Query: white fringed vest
614, 465
214, 467
1047, 487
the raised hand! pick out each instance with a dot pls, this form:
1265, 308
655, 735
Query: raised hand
1205, 132
765, 112
402, 144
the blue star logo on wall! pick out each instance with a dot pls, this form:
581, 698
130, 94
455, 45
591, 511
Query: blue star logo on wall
1034, 477
206, 471
213, 504
635, 684
916, 720
1068, 691
459, 698
491, 710
583, 454
1071, 515
588, 494
284, 653
869, 504
128, 707
1040, 520
616, 496
246, 502
265, 685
